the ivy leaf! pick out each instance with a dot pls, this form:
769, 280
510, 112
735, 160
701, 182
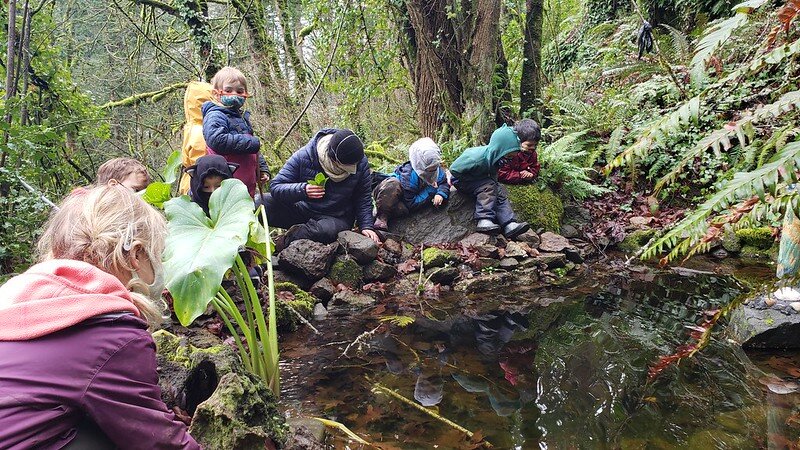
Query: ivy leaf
319, 180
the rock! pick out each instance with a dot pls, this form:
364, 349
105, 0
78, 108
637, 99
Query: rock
549, 260
476, 239
389, 257
320, 313
759, 238
529, 237
770, 301
351, 298
308, 258
576, 215
345, 270
508, 263
393, 246
541, 208
483, 282
573, 255
436, 225
444, 275
437, 257
360, 247
569, 231
305, 434
635, 240
787, 294
282, 276
516, 250
551, 242
500, 240
640, 222
730, 242
378, 271
719, 253
290, 296
323, 290
758, 325
487, 251
488, 262
752, 252
241, 414
795, 306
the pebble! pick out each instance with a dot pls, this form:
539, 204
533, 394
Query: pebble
795, 306
770, 302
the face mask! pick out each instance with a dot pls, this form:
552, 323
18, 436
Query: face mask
232, 101
155, 288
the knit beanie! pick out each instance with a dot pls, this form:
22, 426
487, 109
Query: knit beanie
345, 147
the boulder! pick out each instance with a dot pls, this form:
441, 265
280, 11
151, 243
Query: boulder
765, 325
308, 258
351, 298
551, 242
516, 250
444, 275
529, 237
436, 225
360, 247
345, 270
323, 290
378, 271
760, 238
541, 208
437, 257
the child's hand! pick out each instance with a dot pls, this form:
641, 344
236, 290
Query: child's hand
449, 177
372, 235
315, 192
526, 175
264, 178
437, 200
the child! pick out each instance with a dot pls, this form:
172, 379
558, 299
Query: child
228, 131
523, 167
319, 213
475, 174
415, 184
194, 144
207, 176
125, 171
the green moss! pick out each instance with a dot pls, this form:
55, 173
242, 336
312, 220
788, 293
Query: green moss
541, 208
345, 270
760, 238
172, 347
635, 240
750, 251
437, 257
303, 303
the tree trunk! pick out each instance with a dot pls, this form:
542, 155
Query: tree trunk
26, 62
501, 97
12, 31
530, 86
289, 46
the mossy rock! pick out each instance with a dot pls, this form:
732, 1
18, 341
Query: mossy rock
750, 251
437, 257
345, 270
730, 242
635, 240
541, 208
761, 238
303, 303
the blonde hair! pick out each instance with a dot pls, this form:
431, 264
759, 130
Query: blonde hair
119, 169
99, 225
228, 73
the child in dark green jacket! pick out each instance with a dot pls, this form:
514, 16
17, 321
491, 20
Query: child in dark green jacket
475, 174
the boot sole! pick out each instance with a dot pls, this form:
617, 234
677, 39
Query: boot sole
518, 231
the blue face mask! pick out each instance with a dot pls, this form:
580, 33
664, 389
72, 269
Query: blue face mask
232, 101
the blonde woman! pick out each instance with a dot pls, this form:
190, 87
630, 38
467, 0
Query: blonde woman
77, 363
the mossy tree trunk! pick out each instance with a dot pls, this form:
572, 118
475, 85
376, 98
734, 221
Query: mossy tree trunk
530, 85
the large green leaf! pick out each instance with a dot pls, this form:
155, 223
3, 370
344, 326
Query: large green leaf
157, 193
200, 249
170, 172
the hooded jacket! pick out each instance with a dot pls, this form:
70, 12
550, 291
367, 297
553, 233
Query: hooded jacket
348, 198
194, 144
72, 346
228, 133
482, 162
208, 165
417, 192
511, 167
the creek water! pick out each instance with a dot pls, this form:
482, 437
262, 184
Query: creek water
551, 367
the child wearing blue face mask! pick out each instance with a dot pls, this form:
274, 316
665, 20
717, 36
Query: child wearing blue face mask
227, 129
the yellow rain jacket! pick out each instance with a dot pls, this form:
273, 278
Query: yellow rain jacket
194, 145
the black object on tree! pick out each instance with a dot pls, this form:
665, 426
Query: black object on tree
645, 38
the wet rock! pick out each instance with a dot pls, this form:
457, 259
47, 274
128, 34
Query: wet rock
360, 247
730, 242
761, 325
549, 260
444, 275
351, 298
476, 239
517, 250
635, 240
573, 255
320, 313
393, 246
488, 262
378, 271
389, 257
241, 414
508, 263
487, 251
308, 258
483, 282
282, 276
640, 222
290, 297
435, 225
720, 253
323, 290
569, 231
305, 434
529, 237
551, 242
437, 257
345, 270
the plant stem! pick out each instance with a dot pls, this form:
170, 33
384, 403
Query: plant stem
218, 305
275, 381
250, 295
230, 305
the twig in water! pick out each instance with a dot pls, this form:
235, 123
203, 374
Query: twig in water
302, 319
345, 430
358, 340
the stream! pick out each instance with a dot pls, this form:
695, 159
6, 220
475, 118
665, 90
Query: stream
557, 367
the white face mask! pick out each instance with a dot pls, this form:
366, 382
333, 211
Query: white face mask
155, 288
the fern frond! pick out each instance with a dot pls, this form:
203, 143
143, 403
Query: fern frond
400, 321
743, 130
680, 43
561, 166
769, 178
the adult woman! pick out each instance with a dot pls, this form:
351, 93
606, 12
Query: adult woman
77, 363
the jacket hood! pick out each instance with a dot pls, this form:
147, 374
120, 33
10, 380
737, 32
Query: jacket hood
58, 294
477, 162
208, 165
197, 93
503, 141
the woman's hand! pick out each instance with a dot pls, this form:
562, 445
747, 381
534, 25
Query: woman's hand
315, 192
372, 235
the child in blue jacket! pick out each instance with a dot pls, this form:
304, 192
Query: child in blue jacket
228, 132
415, 184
